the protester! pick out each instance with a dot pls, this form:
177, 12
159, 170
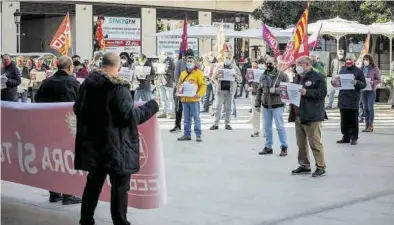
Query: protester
225, 93
191, 105
76, 58
166, 85
80, 70
96, 62
348, 101
268, 96
26, 75
9, 69
107, 141
253, 87
125, 59
368, 97
61, 87
336, 65
309, 116
144, 92
319, 61
247, 65
317, 66
209, 95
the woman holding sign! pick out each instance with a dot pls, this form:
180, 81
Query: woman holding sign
368, 94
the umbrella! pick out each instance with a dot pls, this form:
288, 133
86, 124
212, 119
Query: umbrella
256, 33
198, 31
386, 29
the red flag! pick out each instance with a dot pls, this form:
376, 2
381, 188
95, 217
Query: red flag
62, 39
271, 40
183, 46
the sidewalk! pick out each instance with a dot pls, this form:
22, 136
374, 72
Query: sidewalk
224, 181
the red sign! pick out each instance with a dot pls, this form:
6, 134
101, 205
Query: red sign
121, 43
37, 149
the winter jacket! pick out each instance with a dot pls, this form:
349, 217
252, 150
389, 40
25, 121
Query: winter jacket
196, 77
350, 99
264, 97
374, 74
233, 84
60, 87
13, 75
312, 103
82, 73
168, 78
146, 84
107, 134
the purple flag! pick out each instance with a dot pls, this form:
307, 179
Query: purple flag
183, 46
271, 40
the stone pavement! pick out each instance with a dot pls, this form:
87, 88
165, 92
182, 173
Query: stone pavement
224, 181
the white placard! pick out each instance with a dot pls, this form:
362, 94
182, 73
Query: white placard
369, 86
3, 81
37, 76
187, 90
161, 68
344, 82
126, 74
25, 83
257, 73
290, 93
142, 71
226, 74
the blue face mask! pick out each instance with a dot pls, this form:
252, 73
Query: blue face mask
189, 66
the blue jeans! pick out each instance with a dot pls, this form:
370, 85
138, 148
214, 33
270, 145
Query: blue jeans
368, 100
277, 115
191, 110
331, 97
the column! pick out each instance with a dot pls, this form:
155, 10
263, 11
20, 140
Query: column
148, 28
256, 42
204, 45
8, 27
83, 31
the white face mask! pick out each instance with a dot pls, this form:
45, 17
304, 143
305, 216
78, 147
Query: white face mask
366, 63
123, 61
340, 56
227, 62
142, 63
300, 70
98, 63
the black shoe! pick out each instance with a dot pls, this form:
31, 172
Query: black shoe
55, 198
328, 108
353, 142
255, 134
250, 110
343, 141
301, 170
283, 151
214, 127
71, 200
319, 173
184, 138
361, 120
266, 151
228, 127
175, 130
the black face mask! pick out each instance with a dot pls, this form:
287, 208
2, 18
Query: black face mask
270, 67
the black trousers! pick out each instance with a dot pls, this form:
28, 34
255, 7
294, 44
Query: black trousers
120, 185
178, 110
9, 94
349, 124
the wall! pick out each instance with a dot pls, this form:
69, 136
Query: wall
8, 27
204, 45
84, 31
148, 27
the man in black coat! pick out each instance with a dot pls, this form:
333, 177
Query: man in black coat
309, 116
12, 73
107, 140
349, 101
61, 87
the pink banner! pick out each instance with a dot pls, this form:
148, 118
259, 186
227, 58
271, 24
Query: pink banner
37, 149
271, 40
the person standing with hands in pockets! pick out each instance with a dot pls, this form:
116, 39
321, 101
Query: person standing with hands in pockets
191, 104
268, 96
349, 101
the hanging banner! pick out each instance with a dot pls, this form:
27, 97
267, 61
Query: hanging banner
40, 153
120, 34
229, 41
170, 45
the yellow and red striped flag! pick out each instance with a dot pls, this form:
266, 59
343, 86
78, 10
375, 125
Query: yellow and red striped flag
301, 33
62, 40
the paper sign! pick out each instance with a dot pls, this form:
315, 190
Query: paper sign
344, 82
126, 74
249, 75
160, 68
290, 93
257, 75
3, 81
187, 90
25, 83
38, 76
369, 86
226, 74
142, 71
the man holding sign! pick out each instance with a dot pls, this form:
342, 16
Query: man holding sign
308, 117
350, 81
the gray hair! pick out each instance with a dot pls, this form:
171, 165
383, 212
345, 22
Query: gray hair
111, 59
351, 56
304, 60
64, 62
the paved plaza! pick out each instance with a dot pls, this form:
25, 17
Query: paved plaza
224, 181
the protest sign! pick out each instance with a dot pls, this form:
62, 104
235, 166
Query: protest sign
126, 74
161, 68
344, 82
34, 152
290, 93
37, 76
226, 74
187, 90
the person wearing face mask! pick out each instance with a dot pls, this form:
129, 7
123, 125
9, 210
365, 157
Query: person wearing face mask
26, 75
208, 66
61, 87
317, 66
225, 94
368, 97
10, 70
96, 62
126, 60
247, 65
191, 105
336, 65
253, 87
144, 92
309, 116
166, 85
349, 100
268, 96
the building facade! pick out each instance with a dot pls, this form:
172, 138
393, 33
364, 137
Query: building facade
128, 25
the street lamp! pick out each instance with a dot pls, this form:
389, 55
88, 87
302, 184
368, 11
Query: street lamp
17, 20
237, 41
